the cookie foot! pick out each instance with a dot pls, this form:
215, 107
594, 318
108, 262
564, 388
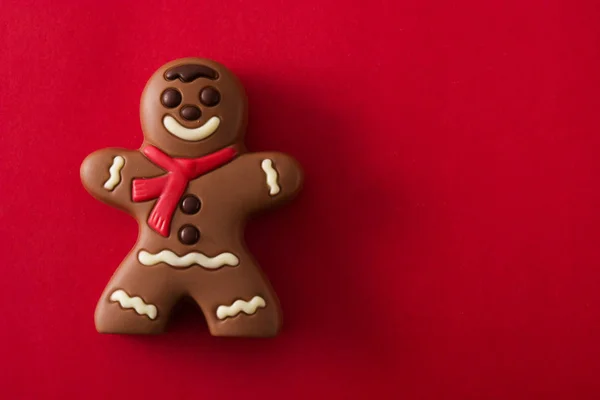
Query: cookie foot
122, 313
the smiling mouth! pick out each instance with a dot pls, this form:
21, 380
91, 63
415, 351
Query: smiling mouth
191, 134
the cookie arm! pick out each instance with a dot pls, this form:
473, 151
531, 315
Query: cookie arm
106, 174
269, 178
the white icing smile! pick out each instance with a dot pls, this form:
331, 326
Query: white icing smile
192, 135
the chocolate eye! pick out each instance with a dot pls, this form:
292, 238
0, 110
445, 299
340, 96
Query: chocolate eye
170, 98
209, 96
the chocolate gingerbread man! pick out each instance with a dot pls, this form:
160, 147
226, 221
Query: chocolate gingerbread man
191, 186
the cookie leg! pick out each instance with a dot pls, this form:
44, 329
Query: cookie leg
137, 300
238, 302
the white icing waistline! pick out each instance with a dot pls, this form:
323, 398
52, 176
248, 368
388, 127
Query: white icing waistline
188, 260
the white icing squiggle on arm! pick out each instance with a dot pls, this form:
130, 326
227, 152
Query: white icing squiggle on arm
272, 175
115, 173
136, 303
238, 306
172, 259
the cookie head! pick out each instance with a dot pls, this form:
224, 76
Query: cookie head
192, 107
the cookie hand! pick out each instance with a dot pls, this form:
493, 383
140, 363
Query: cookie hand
106, 175
276, 178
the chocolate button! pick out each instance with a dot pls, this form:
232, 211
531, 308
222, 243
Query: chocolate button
189, 234
190, 204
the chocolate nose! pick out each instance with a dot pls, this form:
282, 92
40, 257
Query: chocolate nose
191, 113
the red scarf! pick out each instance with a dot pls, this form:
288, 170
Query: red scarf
170, 187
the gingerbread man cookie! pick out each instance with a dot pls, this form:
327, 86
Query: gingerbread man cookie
191, 186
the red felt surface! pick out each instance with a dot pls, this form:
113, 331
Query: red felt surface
445, 245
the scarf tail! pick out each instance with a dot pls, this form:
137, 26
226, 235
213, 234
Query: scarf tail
162, 213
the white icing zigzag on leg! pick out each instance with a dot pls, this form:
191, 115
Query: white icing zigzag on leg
136, 303
115, 173
172, 259
272, 175
238, 306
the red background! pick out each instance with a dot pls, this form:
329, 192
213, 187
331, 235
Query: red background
445, 245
